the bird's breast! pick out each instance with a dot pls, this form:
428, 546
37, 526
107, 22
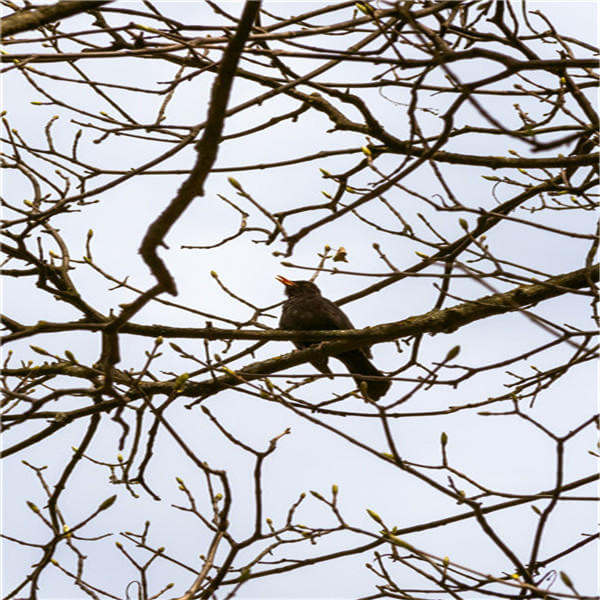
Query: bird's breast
307, 314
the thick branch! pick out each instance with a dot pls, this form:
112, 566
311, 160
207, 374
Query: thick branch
435, 321
207, 151
24, 20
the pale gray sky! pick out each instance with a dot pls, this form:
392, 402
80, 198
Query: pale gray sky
503, 453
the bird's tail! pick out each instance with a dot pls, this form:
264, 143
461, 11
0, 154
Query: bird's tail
361, 369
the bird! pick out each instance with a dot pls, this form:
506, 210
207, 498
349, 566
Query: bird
307, 309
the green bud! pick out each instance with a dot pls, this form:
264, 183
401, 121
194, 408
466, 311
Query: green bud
566, 579
39, 350
364, 8
374, 516
107, 503
235, 183
452, 353
181, 379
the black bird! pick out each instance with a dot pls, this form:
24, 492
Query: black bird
306, 309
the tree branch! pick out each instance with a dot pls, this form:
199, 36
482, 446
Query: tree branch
206, 148
27, 19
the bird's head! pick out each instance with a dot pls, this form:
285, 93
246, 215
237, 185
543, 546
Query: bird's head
298, 288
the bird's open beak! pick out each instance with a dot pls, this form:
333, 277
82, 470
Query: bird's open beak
283, 280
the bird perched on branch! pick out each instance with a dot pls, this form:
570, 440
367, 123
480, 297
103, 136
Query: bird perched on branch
306, 309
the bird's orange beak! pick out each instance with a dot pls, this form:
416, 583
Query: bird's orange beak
285, 281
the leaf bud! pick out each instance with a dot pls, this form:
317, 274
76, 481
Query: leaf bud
452, 353
341, 255
235, 183
374, 516
566, 579
107, 503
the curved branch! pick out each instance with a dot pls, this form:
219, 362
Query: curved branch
206, 148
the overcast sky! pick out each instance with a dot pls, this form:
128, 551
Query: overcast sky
504, 453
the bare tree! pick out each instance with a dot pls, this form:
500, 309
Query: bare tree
448, 148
